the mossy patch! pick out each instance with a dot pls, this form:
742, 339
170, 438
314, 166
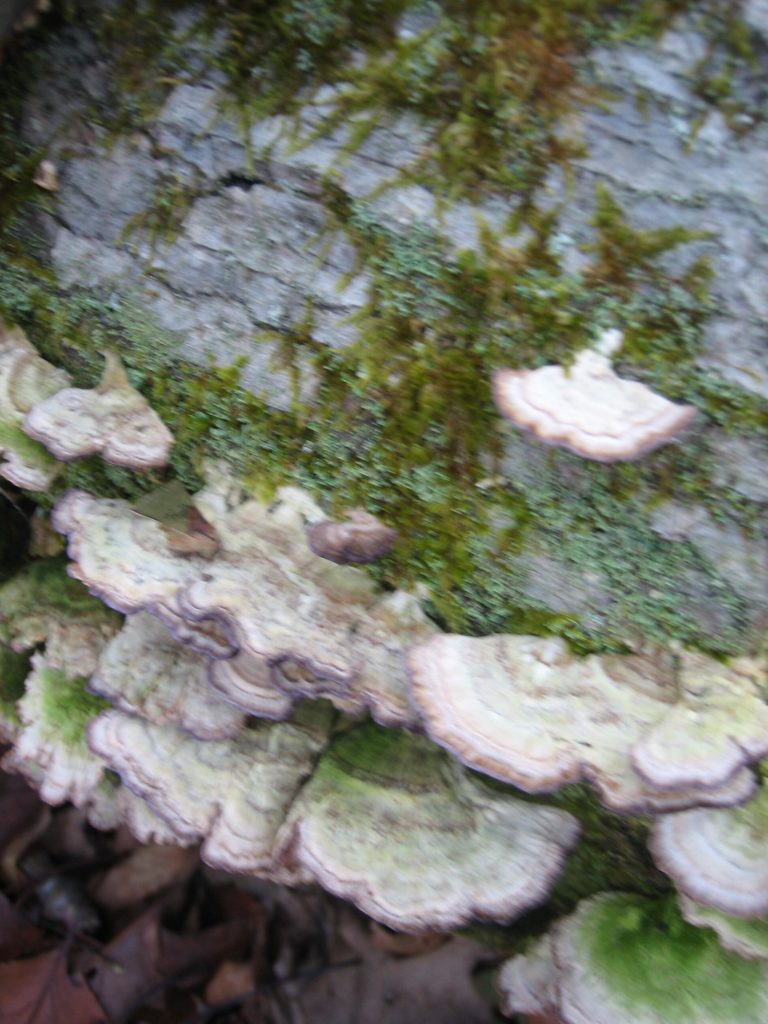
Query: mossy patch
67, 707
655, 963
385, 757
612, 853
404, 424
41, 589
14, 669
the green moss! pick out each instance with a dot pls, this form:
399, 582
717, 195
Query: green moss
14, 669
42, 589
268, 50
612, 854
494, 81
652, 961
726, 75
67, 707
385, 757
404, 423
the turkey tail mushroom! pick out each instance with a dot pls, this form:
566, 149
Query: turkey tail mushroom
588, 409
389, 822
112, 420
25, 379
718, 857
529, 712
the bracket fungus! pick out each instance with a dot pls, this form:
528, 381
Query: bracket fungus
361, 538
746, 936
323, 629
718, 724
25, 379
718, 857
621, 957
42, 600
232, 794
112, 419
50, 748
389, 822
587, 408
144, 671
649, 736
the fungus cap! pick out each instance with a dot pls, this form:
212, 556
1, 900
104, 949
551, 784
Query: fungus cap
50, 750
322, 629
25, 378
718, 724
145, 672
718, 857
620, 957
389, 822
360, 538
529, 712
588, 409
746, 936
112, 420
231, 794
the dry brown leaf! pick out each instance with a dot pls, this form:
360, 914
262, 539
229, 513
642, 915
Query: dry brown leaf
199, 952
18, 937
365, 985
126, 971
144, 872
233, 979
40, 991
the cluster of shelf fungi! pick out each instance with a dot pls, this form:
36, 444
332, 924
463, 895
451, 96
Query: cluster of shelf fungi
233, 679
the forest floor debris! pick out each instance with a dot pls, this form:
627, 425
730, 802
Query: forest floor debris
97, 929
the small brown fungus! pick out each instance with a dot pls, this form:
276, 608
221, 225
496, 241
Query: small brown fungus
362, 538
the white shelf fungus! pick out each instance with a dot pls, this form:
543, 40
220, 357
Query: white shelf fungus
144, 671
718, 858
390, 823
650, 736
232, 794
588, 409
321, 629
25, 379
747, 936
113, 420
